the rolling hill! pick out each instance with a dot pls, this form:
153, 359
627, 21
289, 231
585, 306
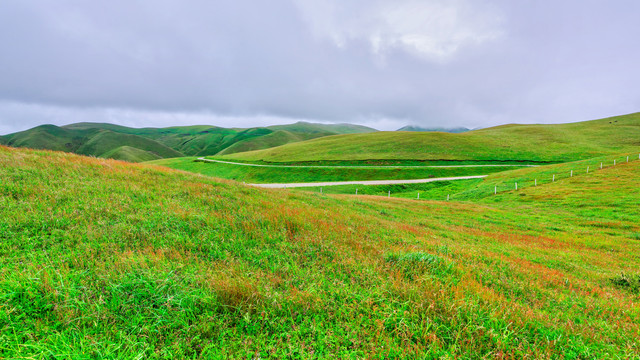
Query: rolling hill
541, 143
438, 129
99, 142
103, 258
104, 140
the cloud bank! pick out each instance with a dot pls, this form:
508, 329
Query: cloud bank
379, 63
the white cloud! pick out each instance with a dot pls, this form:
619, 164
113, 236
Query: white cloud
432, 29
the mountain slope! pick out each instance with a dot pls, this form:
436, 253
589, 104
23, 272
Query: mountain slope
105, 257
546, 143
439, 129
197, 140
98, 142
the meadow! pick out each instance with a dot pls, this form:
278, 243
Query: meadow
334, 172
106, 259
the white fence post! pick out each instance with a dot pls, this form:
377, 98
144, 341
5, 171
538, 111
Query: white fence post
571, 173
535, 182
554, 178
516, 186
389, 193
627, 158
447, 197
356, 191
600, 166
418, 196
495, 190
614, 162
587, 169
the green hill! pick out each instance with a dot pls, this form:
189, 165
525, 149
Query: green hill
543, 143
276, 138
131, 154
439, 129
102, 258
93, 141
105, 141
322, 129
97, 139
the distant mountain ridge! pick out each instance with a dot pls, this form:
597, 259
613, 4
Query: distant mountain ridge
439, 129
143, 144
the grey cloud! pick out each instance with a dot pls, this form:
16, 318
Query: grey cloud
473, 63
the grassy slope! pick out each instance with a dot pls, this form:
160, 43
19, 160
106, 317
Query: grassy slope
209, 140
253, 174
310, 128
48, 137
276, 138
101, 258
131, 154
87, 141
554, 143
478, 189
106, 141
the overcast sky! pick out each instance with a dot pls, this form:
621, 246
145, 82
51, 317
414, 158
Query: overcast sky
385, 64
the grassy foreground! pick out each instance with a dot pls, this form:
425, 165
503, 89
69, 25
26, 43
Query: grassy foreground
105, 259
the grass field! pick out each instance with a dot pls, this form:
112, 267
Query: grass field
503, 181
552, 143
437, 190
251, 174
106, 259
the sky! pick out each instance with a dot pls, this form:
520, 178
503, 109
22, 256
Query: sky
384, 64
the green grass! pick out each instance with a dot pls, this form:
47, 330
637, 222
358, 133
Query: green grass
428, 191
131, 154
547, 143
99, 142
106, 259
252, 174
275, 138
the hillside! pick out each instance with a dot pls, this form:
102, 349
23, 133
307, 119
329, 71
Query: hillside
439, 129
106, 257
97, 142
542, 143
98, 139
293, 174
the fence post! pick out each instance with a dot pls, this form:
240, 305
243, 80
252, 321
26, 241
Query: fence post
614, 162
418, 196
600, 166
587, 169
571, 173
535, 182
554, 178
627, 158
356, 191
447, 197
516, 186
495, 190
